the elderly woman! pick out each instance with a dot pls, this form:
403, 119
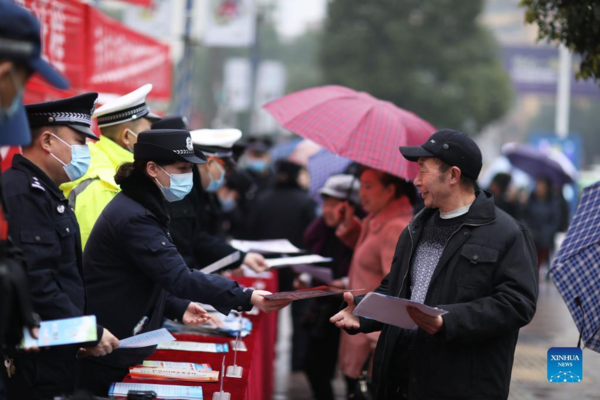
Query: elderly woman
389, 201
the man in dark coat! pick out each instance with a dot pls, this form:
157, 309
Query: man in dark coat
463, 255
45, 228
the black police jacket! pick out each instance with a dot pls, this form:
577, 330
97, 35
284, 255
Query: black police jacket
134, 272
43, 226
194, 228
486, 279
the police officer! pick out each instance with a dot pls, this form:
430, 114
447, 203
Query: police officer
45, 228
194, 219
119, 121
130, 255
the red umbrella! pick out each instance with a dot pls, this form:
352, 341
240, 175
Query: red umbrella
354, 125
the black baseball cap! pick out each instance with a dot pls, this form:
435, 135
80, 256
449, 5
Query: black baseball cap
20, 41
74, 112
452, 147
167, 145
171, 122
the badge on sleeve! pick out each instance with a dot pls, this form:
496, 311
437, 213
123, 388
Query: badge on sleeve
60, 208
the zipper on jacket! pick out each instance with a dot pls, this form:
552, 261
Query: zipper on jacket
410, 259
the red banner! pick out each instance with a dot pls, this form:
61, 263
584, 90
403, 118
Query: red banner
62, 26
144, 3
96, 53
121, 60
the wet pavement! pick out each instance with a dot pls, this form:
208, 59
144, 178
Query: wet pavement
552, 326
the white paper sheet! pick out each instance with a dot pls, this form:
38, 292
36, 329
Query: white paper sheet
222, 263
282, 246
151, 338
392, 310
309, 259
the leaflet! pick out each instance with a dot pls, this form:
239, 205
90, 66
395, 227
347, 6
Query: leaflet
222, 263
62, 331
392, 310
167, 392
176, 374
151, 338
195, 346
319, 291
177, 365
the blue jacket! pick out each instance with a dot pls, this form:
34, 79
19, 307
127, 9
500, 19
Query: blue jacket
133, 270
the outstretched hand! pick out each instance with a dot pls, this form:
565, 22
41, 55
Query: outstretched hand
345, 319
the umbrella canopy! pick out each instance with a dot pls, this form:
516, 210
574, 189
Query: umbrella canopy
321, 166
541, 163
576, 269
303, 152
354, 125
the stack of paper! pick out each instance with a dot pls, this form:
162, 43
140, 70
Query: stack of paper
177, 365
195, 346
167, 392
190, 375
230, 326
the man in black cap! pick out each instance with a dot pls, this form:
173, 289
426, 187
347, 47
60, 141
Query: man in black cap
45, 228
257, 161
463, 255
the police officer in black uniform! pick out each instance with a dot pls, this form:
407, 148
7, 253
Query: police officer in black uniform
45, 228
133, 272
196, 220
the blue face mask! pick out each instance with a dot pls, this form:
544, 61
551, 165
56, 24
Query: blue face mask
80, 160
14, 129
228, 204
180, 186
258, 166
213, 186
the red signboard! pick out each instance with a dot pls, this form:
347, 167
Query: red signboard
96, 53
62, 25
121, 60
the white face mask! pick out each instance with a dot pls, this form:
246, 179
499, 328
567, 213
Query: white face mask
132, 133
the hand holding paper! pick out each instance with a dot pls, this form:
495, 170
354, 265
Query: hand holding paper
260, 300
195, 315
394, 311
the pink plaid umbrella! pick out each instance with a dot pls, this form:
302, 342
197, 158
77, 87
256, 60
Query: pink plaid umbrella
354, 125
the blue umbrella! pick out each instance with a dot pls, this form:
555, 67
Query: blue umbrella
541, 163
576, 270
321, 166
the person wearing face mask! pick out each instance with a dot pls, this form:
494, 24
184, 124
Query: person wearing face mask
120, 122
258, 162
131, 255
195, 221
45, 228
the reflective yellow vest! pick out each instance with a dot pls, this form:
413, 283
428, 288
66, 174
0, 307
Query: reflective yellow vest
92, 192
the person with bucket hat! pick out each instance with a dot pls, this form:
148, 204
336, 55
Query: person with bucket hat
120, 121
43, 226
467, 257
131, 255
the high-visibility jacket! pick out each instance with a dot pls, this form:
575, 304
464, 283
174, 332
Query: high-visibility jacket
92, 192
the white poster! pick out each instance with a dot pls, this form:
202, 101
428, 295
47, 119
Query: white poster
230, 23
237, 84
270, 85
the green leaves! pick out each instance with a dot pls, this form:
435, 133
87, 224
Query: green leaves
430, 57
575, 23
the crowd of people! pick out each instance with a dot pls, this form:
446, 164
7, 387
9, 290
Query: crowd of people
117, 225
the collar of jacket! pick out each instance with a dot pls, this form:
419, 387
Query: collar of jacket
35, 174
396, 208
482, 212
143, 190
